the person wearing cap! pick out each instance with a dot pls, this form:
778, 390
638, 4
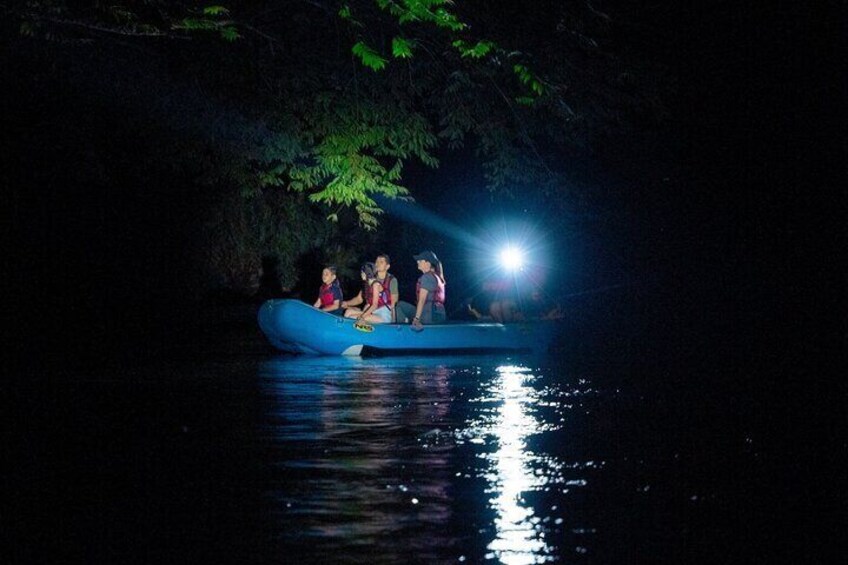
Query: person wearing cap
429, 307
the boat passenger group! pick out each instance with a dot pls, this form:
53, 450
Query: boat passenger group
378, 301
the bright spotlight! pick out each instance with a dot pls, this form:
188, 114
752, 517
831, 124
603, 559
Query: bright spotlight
512, 259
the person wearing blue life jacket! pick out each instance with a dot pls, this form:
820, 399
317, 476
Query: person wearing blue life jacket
429, 305
377, 301
330, 293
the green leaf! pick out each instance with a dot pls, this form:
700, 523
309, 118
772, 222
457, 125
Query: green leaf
445, 19
368, 56
483, 48
523, 73
215, 11
525, 100
195, 24
346, 14
527, 77
401, 48
537, 87
478, 51
229, 33
406, 17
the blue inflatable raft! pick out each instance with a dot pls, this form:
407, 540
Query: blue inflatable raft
296, 327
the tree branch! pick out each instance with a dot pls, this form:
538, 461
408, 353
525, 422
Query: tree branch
103, 29
524, 131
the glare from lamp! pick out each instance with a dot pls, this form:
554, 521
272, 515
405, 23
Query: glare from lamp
512, 259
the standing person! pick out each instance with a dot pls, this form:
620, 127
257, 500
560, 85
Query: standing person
377, 299
429, 305
330, 293
390, 285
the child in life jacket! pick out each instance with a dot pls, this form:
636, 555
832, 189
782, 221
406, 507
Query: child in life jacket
330, 293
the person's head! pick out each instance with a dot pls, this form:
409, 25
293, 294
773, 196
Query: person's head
328, 275
367, 271
382, 264
426, 260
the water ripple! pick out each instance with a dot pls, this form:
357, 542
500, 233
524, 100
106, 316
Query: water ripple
424, 457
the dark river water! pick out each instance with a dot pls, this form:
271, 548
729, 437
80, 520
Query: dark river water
624, 452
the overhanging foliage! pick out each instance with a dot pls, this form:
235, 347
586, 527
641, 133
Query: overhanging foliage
349, 91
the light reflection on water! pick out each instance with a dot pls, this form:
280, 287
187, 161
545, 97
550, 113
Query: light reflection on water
388, 453
519, 538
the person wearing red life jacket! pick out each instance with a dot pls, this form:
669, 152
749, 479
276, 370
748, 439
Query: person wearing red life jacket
377, 301
330, 294
390, 284
429, 305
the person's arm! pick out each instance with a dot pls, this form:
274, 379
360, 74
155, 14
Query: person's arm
376, 289
419, 308
393, 290
356, 301
317, 303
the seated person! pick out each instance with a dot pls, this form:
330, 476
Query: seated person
504, 311
378, 300
330, 293
470, 310
537, 308
508, 310
429, 293
382, 264
497, 299
359, 298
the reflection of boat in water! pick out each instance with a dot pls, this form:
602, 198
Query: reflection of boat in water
359, 475
296, 327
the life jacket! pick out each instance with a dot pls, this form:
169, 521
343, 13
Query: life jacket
326, 293
385, 296
438, 295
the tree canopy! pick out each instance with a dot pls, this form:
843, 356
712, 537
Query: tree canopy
342, 94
